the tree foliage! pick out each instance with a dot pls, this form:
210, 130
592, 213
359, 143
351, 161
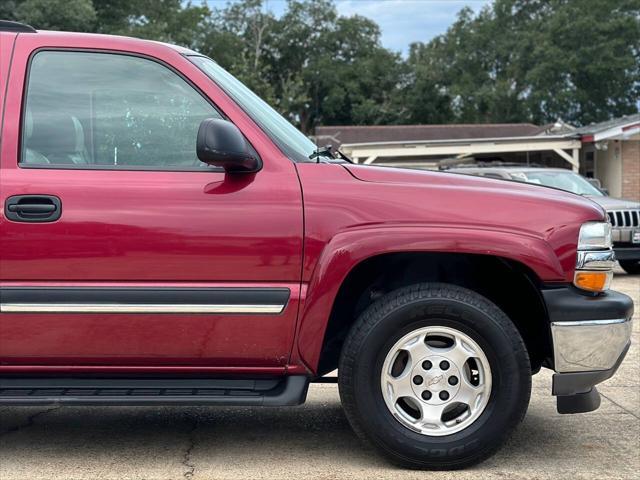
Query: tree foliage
515, 61
532, 60
77, 15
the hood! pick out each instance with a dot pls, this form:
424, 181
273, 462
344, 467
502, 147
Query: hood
472, 183
611, 203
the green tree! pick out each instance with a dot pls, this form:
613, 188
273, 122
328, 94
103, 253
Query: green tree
360, 88
585, 61
73, 15
531, 60
311, 64
8, 9
239, 38
515, 61
329, 69
164, 20
170, 21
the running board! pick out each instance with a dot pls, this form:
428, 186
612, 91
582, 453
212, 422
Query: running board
291, 390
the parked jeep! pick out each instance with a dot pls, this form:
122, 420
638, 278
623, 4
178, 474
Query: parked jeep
624, 215
168, 238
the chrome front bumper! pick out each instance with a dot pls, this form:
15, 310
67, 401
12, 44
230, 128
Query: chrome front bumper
591, 335
589, 345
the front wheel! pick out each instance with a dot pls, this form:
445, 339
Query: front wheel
434, 376
632, 267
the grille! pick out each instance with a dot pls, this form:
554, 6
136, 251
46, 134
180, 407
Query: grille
624, 218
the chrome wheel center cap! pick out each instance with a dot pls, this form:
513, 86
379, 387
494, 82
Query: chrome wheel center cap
436, 379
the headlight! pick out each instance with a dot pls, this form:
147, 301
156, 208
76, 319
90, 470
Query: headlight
595, 236
595, 258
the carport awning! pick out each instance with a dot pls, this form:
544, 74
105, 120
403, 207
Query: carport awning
368, 153
624, 128
629, 132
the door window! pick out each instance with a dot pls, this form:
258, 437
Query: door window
102, 110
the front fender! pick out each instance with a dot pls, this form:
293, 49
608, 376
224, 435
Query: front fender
348, 249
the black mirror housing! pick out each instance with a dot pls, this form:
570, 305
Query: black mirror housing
220, 143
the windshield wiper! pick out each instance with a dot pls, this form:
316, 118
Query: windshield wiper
328, 152
343, 156
322, 152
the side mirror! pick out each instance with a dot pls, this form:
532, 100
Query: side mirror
221, 144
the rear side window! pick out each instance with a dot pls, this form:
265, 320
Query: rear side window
92, 110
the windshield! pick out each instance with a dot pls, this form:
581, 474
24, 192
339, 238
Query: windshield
289, 139
569, 181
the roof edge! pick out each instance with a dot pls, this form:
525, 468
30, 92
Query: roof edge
533, 139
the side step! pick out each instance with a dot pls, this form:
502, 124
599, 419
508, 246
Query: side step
291, 390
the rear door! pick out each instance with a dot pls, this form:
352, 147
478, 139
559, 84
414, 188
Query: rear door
117, 246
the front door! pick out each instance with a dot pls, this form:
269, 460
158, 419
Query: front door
117, 246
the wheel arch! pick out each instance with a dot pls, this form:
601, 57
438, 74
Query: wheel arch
350, 275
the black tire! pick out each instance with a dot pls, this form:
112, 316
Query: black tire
632, 267
402, 311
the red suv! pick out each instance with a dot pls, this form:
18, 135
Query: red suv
168, 238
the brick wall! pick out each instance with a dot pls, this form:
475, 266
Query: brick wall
631, 169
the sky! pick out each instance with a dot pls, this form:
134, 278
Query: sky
401, 21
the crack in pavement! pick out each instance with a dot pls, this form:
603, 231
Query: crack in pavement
619, 406
186, 457
30, 421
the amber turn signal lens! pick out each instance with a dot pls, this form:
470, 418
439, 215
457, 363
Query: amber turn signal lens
593, 281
